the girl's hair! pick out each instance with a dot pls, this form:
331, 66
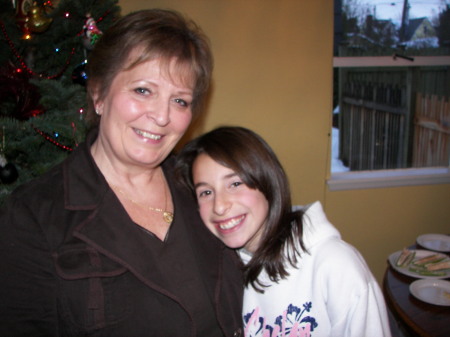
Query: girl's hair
252, 159
147, 35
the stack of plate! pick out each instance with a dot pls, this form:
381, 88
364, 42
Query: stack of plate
430, 289
436, 242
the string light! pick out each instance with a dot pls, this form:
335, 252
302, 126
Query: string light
51, 140
81, 111
23, 64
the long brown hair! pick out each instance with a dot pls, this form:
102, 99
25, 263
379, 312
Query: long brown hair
254, 161
146, 35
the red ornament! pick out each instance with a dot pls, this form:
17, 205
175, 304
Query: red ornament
22, 8
15, 86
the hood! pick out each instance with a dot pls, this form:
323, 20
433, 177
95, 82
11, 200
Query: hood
316, 227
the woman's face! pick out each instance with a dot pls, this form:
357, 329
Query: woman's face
232, 211
144, 114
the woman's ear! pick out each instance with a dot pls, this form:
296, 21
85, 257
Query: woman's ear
98, 104
98, 108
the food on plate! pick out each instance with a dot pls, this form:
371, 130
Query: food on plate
430, 265
405, 257
425, 272
434, 258
439, 265
423, 263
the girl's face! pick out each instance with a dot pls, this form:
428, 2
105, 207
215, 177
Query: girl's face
232, 211
144, 114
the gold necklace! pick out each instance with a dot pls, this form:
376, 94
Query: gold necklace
167, 216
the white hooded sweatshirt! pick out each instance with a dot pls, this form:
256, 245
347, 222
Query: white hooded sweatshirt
331, 292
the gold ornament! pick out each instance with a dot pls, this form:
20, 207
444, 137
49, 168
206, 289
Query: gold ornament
37, 21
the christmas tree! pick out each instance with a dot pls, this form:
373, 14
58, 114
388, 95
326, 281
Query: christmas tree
44, 46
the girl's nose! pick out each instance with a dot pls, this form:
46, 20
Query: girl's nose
221, 204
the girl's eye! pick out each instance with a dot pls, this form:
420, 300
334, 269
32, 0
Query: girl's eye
181, 102
203, 194
236, 183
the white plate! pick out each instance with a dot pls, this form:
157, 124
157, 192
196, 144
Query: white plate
419, 254
437, 242
431, 291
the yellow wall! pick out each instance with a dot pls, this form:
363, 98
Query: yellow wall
273, 74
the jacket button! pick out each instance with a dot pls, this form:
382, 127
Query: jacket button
237, 333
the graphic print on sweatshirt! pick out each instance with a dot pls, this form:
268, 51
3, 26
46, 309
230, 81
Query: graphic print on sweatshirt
293, 322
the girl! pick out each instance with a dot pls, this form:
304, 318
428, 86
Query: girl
301, 278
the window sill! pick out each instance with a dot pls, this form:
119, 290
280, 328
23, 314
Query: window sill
388, 178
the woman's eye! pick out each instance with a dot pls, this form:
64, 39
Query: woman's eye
236, 183
181, 102
142, 91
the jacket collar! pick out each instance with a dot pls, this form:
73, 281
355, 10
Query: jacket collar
84, 184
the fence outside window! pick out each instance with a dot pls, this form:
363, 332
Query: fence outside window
394, 117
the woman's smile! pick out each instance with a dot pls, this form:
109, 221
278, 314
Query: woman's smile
147, 134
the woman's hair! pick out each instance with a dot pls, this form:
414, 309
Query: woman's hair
252, 159
147, 35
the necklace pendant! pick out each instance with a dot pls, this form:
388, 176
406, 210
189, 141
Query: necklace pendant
168, 217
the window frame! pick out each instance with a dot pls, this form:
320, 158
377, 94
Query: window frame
395, 177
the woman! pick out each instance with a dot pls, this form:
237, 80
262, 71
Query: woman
301, 279
105, 244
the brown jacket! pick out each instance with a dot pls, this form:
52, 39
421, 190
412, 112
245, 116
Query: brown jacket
73, 263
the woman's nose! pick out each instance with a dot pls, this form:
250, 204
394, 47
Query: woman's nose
159, 111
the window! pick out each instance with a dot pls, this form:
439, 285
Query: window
391, 117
